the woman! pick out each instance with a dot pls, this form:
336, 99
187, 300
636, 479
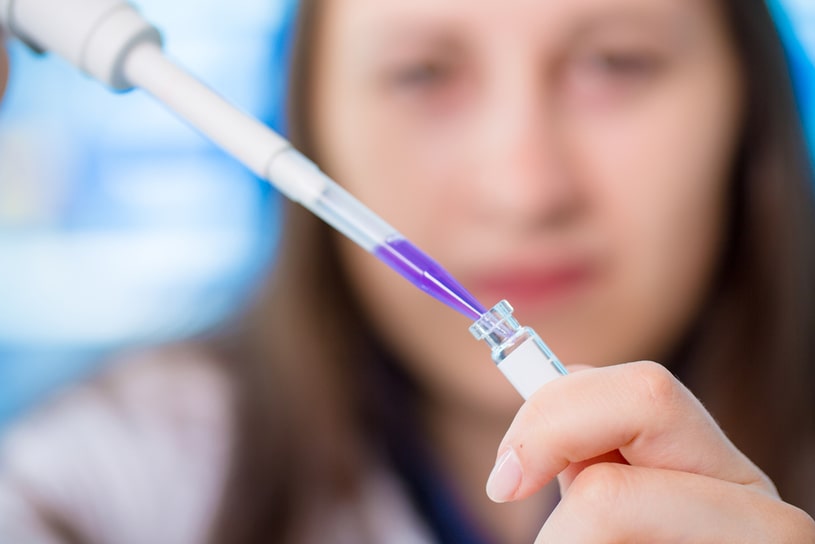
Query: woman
623, 174
629, 174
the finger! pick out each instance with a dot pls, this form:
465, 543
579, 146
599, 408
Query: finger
639, 409
567, 476
613, 503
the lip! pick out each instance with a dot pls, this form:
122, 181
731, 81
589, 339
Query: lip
534, 288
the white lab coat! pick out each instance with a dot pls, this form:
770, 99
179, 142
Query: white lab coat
140, 456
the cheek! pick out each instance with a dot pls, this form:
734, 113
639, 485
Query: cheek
405, 175
660, 181
666, 193
406, 167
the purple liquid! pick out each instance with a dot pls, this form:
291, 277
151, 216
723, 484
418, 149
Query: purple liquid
429, 276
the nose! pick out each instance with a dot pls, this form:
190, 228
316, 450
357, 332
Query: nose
520, 168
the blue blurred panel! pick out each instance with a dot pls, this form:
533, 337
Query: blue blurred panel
796, 20
802, 17
119, 224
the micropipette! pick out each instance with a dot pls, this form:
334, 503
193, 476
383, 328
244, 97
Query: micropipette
111, 42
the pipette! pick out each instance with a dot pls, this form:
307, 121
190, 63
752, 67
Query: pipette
110, 41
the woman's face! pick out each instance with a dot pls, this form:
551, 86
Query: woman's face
570, 156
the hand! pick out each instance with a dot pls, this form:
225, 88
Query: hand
638, 459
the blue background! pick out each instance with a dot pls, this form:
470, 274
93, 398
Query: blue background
121, 226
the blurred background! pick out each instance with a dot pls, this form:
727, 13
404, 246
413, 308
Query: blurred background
120, 226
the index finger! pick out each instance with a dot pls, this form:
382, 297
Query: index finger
639, 409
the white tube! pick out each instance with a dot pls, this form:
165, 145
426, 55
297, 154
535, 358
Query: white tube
518, 351
528, 368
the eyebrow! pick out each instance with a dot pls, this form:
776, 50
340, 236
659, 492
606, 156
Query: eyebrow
668, 25
414, 32
446, 35
411, 38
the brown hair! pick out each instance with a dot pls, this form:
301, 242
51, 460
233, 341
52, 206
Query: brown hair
304, 408
298, 411
3, 65
753, 358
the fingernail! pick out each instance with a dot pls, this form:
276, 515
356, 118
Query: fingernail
505, 478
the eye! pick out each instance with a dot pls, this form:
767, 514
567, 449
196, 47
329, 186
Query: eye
421, 75
434, 86
623, 64
611, 75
